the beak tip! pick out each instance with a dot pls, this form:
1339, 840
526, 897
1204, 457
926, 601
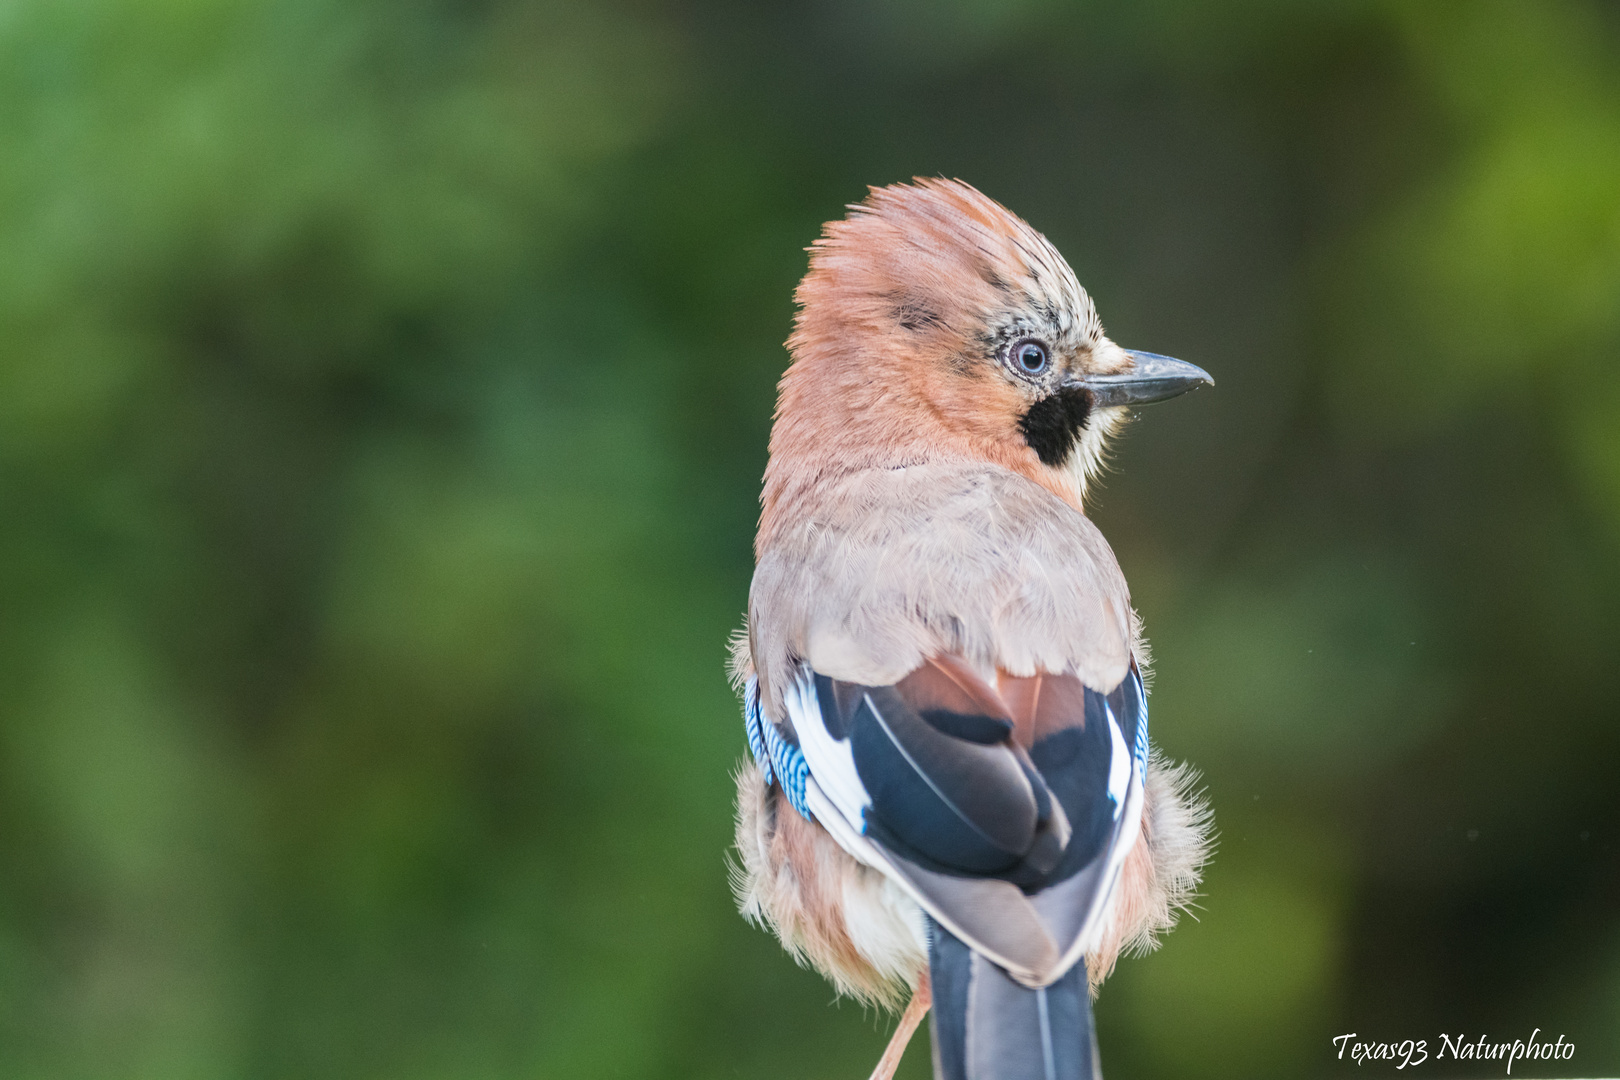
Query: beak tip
1153, 378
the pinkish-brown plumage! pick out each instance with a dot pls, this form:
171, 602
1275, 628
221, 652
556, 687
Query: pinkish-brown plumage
922, 530
898, 297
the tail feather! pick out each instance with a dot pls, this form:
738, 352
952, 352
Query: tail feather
986, 1026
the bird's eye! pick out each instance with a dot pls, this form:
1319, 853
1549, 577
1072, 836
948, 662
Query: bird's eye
1030, 357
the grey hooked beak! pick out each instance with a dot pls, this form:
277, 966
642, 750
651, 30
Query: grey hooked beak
1151, 378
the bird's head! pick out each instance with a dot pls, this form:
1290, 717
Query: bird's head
933, 325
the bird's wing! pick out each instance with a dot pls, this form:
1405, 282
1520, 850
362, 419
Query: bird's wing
1006, 811
1004, 805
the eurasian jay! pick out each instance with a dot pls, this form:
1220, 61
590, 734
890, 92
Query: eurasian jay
944, 683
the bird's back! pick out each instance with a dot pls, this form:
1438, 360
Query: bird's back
866, 575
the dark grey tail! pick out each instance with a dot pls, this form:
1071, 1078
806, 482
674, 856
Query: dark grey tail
988, 1027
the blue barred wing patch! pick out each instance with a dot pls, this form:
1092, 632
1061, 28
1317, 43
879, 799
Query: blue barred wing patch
1141, 748
753, 728
780, 759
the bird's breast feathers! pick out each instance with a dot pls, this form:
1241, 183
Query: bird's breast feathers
944, 681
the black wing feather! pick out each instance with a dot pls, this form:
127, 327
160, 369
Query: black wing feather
953, 788
959, 803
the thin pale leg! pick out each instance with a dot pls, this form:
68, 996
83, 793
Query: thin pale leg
921, 998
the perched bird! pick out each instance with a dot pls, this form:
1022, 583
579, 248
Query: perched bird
951, 787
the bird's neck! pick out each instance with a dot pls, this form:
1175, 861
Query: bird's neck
798, 473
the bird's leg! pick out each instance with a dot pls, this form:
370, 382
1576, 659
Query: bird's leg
921, 998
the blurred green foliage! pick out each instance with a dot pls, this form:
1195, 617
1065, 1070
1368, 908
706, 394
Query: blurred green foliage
383, 393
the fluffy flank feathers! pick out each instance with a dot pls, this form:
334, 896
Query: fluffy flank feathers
1162, 873
1142, 650
792, 879
739, 663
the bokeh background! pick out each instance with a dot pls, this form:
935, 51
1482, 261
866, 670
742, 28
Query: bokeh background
384, 390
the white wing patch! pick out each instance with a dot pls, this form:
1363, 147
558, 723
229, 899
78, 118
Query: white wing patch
1119, 763
831, 761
